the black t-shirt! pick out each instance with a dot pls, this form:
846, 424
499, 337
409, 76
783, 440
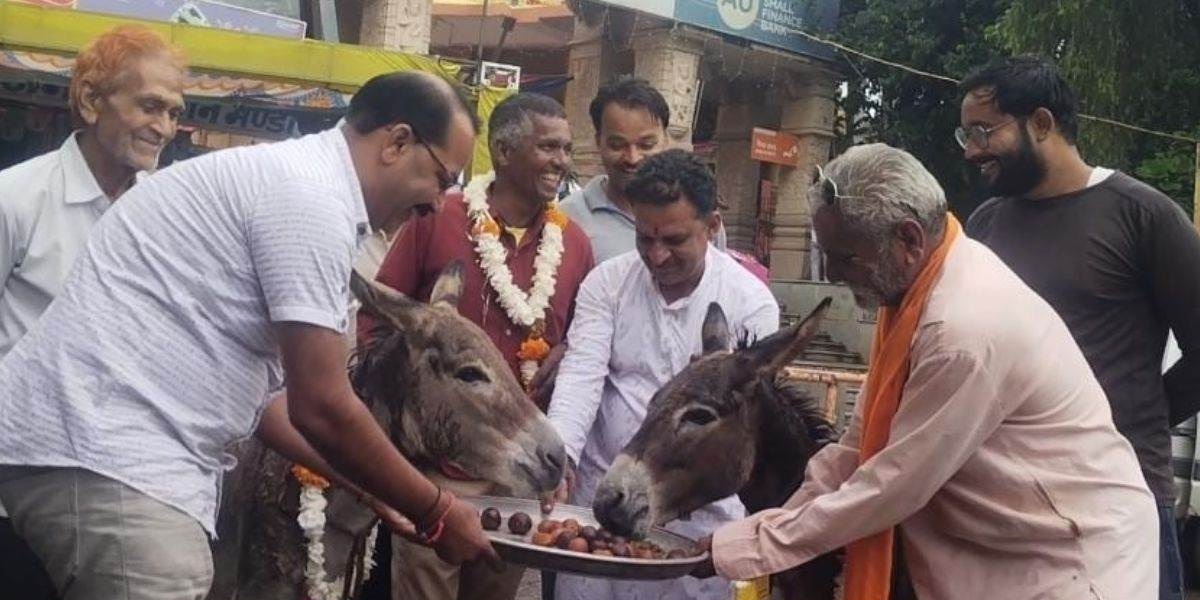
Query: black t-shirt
1120, 262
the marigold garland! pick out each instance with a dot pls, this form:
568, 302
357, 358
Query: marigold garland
526, 309
534, 348
311, 519
309, 478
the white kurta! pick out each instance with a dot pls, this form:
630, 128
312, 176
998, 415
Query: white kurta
624, 344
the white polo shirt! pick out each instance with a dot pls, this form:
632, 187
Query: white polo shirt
160, 352
48, 204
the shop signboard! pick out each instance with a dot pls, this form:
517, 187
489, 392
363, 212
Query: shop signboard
271, 122
769, 22
776, 147
204, 13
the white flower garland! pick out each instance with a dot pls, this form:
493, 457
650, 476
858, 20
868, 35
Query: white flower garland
312, 521
525, 309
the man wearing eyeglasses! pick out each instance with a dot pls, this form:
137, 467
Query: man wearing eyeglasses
515, 206
192, 297
1113, 256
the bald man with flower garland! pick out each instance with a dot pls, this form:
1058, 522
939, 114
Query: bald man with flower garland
523, 262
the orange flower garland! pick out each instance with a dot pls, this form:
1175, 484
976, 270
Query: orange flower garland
307, 477
557, 216
534, 348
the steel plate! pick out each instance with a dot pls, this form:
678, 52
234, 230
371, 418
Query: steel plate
518, 549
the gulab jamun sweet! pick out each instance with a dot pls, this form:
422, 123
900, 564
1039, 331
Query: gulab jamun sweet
549, 526
543, 538
620, 549
587, 532
563, 541
520, 523
577, 545
490, 519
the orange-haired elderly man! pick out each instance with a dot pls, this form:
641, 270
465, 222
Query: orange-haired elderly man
126, 95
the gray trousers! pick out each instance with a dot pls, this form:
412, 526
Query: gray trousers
102, 540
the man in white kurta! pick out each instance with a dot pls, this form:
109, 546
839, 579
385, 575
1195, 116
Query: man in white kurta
626, 342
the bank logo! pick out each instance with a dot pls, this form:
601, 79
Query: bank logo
738, 14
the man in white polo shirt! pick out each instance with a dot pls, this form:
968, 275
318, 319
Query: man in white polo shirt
192, 297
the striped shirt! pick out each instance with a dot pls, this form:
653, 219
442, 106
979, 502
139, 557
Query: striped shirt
160, 351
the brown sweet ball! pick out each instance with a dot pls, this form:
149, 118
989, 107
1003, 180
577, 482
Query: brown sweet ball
677, 553
620, 549
549, 526
616, 539
490, 519
598, 544
520, 523
571, 524
644, 553
563, 538
543, 538
587, 532
602, 552
578, 545
604, 534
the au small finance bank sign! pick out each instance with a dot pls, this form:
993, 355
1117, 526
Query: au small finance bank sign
769, 22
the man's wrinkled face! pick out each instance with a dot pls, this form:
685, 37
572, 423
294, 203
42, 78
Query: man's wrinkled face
627, 136
139, 117
540, 161
1007, 159
672, 240
874, 274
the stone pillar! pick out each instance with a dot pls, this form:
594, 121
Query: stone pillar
588, 64
808, 112
737, 174
670, 61
401, 25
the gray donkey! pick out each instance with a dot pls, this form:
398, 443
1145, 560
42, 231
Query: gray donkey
446, 397
727, 425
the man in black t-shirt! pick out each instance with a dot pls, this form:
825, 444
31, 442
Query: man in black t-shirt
1117, 259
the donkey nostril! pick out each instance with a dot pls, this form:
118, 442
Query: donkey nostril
553, 459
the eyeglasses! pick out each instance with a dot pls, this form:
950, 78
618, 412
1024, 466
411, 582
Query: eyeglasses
446, 179
977, 134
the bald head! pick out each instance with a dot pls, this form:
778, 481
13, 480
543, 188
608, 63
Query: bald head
425, 102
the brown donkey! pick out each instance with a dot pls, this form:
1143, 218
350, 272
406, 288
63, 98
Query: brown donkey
446, 397
724, 425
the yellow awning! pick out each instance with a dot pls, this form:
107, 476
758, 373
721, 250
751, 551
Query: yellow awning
338, 66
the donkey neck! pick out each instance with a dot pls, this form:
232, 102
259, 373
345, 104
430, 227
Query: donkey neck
783, 447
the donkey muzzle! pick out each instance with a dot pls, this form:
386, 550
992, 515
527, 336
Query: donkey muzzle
622, 501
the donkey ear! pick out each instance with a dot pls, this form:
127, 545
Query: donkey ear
714, 334
771, 354
381, 300
448, 287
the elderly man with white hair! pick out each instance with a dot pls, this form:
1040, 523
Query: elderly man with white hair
981, 439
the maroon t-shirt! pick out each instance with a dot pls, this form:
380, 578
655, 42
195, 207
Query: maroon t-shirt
427, 244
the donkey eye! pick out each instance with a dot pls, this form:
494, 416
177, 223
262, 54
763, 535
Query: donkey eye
699, 416
471, 374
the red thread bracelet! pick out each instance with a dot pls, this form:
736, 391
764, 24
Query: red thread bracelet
439, 524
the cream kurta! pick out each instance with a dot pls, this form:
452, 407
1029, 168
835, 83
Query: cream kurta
1004, 470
